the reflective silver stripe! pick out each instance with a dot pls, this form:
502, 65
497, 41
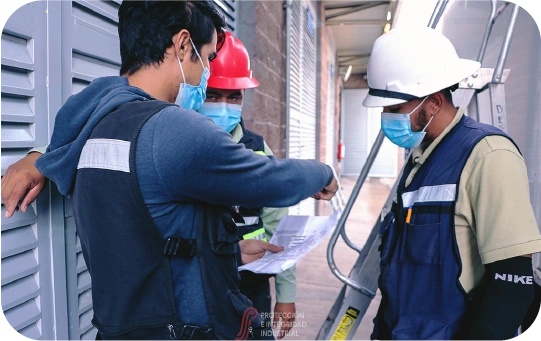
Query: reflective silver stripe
429, 194
106, 154
249, 221
259, 237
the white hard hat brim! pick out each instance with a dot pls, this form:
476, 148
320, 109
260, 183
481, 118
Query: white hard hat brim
461, 70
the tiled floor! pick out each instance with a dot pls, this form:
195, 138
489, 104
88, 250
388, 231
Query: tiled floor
317, 287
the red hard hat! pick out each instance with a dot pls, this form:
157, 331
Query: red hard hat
231, 68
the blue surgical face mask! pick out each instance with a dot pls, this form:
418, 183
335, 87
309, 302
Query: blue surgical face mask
189, 96
397, 128
225, 115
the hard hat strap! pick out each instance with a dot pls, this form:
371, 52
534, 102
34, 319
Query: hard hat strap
391, 94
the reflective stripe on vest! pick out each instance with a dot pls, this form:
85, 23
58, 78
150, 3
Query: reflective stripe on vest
257, 235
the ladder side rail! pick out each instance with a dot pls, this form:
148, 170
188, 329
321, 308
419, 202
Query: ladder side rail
498, 70
438, 12
342, 221
488, 30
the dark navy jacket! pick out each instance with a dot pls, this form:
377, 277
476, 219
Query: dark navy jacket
127, 257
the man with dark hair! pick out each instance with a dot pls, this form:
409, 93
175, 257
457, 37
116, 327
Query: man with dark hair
144, 42
152, 183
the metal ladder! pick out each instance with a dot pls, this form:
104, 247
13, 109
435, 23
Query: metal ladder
483, 97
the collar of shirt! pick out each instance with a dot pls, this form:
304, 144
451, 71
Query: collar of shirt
419, 156
237, 134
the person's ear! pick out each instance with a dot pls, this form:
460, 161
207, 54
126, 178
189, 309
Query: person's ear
181, 43
435, 103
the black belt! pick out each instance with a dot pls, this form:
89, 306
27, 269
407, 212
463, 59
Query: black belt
191, 332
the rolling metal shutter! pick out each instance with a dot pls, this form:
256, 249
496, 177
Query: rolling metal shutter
331, 146
301, 89
229, 9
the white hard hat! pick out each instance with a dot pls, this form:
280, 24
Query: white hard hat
409, 63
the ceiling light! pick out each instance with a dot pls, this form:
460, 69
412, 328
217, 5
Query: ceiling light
348, 73
388, 15
387, 28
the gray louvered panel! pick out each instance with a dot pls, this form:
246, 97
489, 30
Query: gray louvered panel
18, 292
87, 68
26, 29
81, 265
85, 301
103, 11
23, 315
85, 321
15, 241
17, 135
16, 53
16, 82
106, 44
18, 266
31, 332
19, 219
20, 42
83, 282
16, 109
77, 243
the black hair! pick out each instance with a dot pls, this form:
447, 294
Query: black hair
447, 93
146, 29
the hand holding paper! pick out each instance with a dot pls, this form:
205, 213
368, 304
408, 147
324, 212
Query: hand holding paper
252, 249
298, 235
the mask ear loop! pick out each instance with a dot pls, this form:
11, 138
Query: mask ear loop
181, 71
417, 107
197, 53
428, 123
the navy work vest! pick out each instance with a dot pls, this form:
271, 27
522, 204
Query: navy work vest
132, 289
422, 297
250, 280
256, 143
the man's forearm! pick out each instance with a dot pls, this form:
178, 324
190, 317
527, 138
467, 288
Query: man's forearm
505, 299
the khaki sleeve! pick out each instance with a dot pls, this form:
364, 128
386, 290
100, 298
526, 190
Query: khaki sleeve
267, 150
498, 191
40, 150
286, 282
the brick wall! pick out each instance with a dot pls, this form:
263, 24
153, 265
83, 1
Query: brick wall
262, 29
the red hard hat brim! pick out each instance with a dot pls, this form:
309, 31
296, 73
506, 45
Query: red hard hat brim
232, 83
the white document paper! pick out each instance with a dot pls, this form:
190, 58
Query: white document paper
298, 235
